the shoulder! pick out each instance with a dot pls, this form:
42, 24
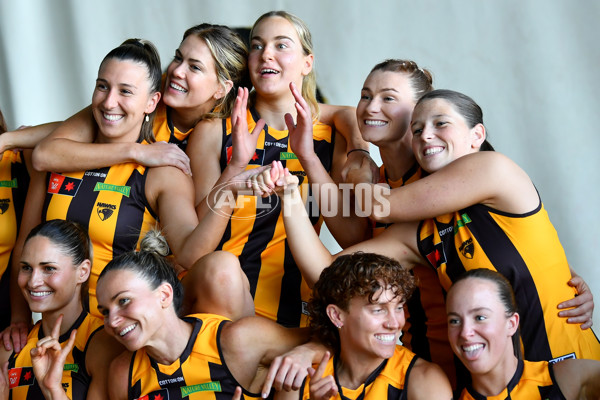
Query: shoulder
101, 351
118, 376
427, 374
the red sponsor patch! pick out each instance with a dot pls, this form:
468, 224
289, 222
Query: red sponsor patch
65, 185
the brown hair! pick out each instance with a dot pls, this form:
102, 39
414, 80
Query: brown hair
421, 79
353, 275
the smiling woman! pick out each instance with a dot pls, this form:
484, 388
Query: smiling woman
55, 265
357, 309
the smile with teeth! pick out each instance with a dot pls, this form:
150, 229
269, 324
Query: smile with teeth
39, 294
387, 338
178, 87
112, 117
375, 122
433, 150
268, 71
127, 330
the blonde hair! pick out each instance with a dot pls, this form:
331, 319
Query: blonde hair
309, 82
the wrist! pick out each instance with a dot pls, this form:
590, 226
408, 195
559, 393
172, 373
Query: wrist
358, 149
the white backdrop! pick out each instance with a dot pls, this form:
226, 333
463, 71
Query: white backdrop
531, 64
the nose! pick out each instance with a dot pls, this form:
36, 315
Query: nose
178, 71
393, 321
36, 278
267, 53
112, 320
110, 100
466, 330
373, 106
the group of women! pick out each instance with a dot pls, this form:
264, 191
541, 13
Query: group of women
178, 152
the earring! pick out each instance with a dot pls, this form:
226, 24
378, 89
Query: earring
147, 118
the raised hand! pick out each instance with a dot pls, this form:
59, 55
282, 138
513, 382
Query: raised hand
48, 359
361, 173
275, 179
244, 142
321, 387
301, 133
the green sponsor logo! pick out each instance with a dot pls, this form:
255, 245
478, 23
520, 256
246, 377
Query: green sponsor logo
124, 190
9, 184
464, 219
202, 387
71, 367
286, 155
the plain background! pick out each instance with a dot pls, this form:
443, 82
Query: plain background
532, 65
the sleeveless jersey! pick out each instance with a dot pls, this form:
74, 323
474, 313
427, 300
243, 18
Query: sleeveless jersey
165, 131
426, 329
255, 232
111, 203
200, 372
532, 380
525, 249
14, 181
75, 380
386, 382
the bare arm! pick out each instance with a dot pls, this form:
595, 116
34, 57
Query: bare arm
118, 376
70, 148
578, 378
102, 350
428, 381
25, 138
15, 336
486, 177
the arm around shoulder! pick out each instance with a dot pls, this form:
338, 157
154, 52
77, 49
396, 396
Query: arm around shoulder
118, 376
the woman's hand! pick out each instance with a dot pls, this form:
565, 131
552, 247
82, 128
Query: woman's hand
48, 359
301, 133
275, 179
321, 387
243, 142
14, 336
583, 304
161, 154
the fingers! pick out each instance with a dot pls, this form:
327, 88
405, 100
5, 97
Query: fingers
56, 327
322, 365
15, 336
237, 395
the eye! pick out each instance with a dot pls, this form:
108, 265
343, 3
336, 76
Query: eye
256, 46
123, 301
101, 86
365, 97
282, 46
440, 123
480, 318
126, 92
177, 58
26, 268
389, 98
417, 131
453, 321
50, 269
195, 68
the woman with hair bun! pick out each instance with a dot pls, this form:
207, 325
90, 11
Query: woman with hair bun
139, 296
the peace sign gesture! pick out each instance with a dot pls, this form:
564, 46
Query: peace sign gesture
321, 387
48, 359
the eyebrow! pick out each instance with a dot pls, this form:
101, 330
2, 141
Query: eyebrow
178, 52
119, 84
473, 310
280, 37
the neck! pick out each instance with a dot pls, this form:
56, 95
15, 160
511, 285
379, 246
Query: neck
184, 120
70, 313
397, 158
353, 368
272, 110
495, 381
167, 345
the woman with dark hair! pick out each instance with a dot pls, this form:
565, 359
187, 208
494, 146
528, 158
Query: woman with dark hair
500, 224
139, 296
483, 327
118, 204
357, 309
54, 266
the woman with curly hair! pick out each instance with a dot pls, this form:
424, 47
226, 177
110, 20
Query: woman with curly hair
357, 309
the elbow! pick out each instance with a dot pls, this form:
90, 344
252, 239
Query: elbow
38, 160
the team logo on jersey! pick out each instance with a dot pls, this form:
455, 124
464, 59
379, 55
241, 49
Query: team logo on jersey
20, 377
437, 257
256, 159
467, 248
65, 185
107, 187
105, 210
9, 184
561, 358
4, 205
162, 394
202, 387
